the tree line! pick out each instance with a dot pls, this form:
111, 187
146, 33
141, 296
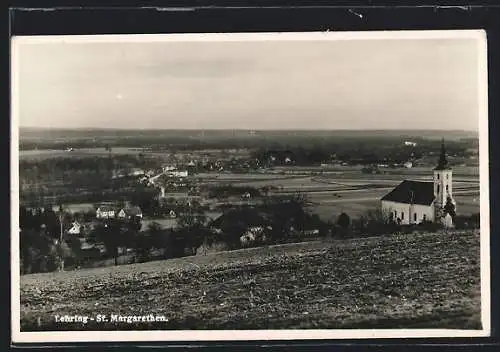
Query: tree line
366, 152
279, 219
226, 140
60, 167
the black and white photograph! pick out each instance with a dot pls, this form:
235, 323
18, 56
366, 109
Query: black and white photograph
257, 186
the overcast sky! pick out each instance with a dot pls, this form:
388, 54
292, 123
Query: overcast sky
348, 84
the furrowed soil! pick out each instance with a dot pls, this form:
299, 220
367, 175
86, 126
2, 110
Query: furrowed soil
397, 281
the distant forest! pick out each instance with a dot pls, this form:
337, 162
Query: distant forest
160, 140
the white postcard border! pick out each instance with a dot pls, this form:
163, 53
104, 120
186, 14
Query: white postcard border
241, 335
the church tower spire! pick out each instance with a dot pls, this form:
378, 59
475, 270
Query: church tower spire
443, 161
442, 183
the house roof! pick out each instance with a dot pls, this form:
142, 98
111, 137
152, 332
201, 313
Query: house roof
412, 192
70, 226
242, 217
106, 208
132, 210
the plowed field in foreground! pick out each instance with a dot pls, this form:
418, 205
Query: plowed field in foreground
403, 281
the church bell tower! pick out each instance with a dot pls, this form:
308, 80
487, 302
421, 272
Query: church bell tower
442, 183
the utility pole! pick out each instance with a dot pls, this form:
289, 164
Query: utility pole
61, 254
411, 208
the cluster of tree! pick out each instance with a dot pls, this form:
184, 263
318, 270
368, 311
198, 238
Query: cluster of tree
355, 151
41, 233
278, 219
146, 199
115, 234
191, 231
449, 207
231, 164
152, 206
38, 252
85, 179
281, 220
41, 249
43, 199
289, 212
375, 222
59, 167
296, 156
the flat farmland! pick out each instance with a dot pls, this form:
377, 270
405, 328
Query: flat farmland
396, 281
468, 204
168, 223
83, 152
346, 171
332, 194
76, 207
240, 179
355, 203
293, 184
458, 171
41, 154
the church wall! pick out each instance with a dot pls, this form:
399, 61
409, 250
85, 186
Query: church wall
443, 185
421, 210
403, 211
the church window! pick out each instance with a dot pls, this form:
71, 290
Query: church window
402, 215
438, 176
425, 217
438, 189
414, 216
447, 188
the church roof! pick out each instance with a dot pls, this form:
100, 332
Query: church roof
412, 192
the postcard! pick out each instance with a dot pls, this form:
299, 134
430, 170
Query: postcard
257, 186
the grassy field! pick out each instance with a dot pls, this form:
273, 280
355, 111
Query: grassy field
357, 203
333, 194
411, 281
458, 170
41, 154
169, 223
84, 153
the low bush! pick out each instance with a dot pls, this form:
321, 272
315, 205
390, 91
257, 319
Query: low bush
205, 249
467, 222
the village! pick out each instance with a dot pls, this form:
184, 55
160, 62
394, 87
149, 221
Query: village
218, 189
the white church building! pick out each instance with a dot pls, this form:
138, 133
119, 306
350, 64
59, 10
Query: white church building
412, 202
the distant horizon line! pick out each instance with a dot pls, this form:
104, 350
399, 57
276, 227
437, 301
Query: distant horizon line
244, 129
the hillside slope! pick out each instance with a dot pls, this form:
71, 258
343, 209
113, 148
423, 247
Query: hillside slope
406, 281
